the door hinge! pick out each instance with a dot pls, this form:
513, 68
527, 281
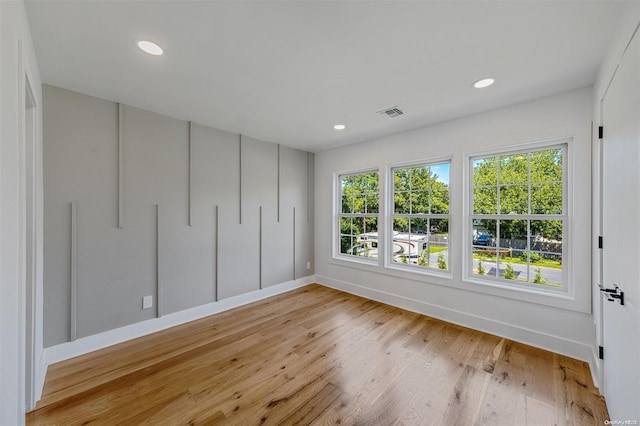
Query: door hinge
600, 132
601, 352
600, 242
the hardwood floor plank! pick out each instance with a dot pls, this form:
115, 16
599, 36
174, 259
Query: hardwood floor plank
584, 406
464, 403
487, 353
312, 408
531, 412
319, 356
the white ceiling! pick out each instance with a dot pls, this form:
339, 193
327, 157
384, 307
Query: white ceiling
287, 71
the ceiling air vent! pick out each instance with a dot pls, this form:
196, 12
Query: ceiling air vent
391, 112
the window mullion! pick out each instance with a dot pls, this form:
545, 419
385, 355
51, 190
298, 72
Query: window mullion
529, 183
498, 211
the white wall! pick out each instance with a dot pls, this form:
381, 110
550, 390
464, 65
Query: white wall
16, 58
566, 326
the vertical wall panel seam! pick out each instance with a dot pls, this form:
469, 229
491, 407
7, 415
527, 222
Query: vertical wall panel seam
278, 188
260, 250
74, 272
120, 166
294, 243
216, 257
308, 187
240, 197
190, 207
158, 294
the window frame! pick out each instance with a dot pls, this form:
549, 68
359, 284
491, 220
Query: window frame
566, 291
390, 215
338, 214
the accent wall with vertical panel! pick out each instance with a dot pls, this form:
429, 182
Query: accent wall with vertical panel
139, 204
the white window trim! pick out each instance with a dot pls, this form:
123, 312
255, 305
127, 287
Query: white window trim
388, 219
498, 287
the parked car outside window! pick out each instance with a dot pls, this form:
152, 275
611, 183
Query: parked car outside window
484, 240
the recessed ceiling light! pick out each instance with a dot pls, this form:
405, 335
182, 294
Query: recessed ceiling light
483, 82
150, 47
339, 127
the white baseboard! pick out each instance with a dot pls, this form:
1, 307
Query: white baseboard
535, 338
92, 343
594, 365
40, 374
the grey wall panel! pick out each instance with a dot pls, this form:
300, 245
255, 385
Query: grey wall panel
239, 253
156, 161
57, 271
294, 171
215, 171
186, 265
277, 237
293, 178
260, 174
80, 165
116, 269
106, 162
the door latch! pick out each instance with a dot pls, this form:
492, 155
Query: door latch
611, 294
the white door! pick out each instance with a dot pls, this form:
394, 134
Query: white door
621, 237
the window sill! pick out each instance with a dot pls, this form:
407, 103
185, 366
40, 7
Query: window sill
357, 260
431, 276
557, 299
417, 270
560, 300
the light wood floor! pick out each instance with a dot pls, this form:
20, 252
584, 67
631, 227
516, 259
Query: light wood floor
319, 356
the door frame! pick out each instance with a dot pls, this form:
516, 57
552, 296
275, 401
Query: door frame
597, 258
31, 232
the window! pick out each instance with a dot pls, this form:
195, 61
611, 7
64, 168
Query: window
358, 215
420, 234
518, 217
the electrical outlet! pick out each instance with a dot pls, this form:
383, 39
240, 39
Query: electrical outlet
147, 302
308, 265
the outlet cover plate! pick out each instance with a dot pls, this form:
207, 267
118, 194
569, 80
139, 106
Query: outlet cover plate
147, 302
